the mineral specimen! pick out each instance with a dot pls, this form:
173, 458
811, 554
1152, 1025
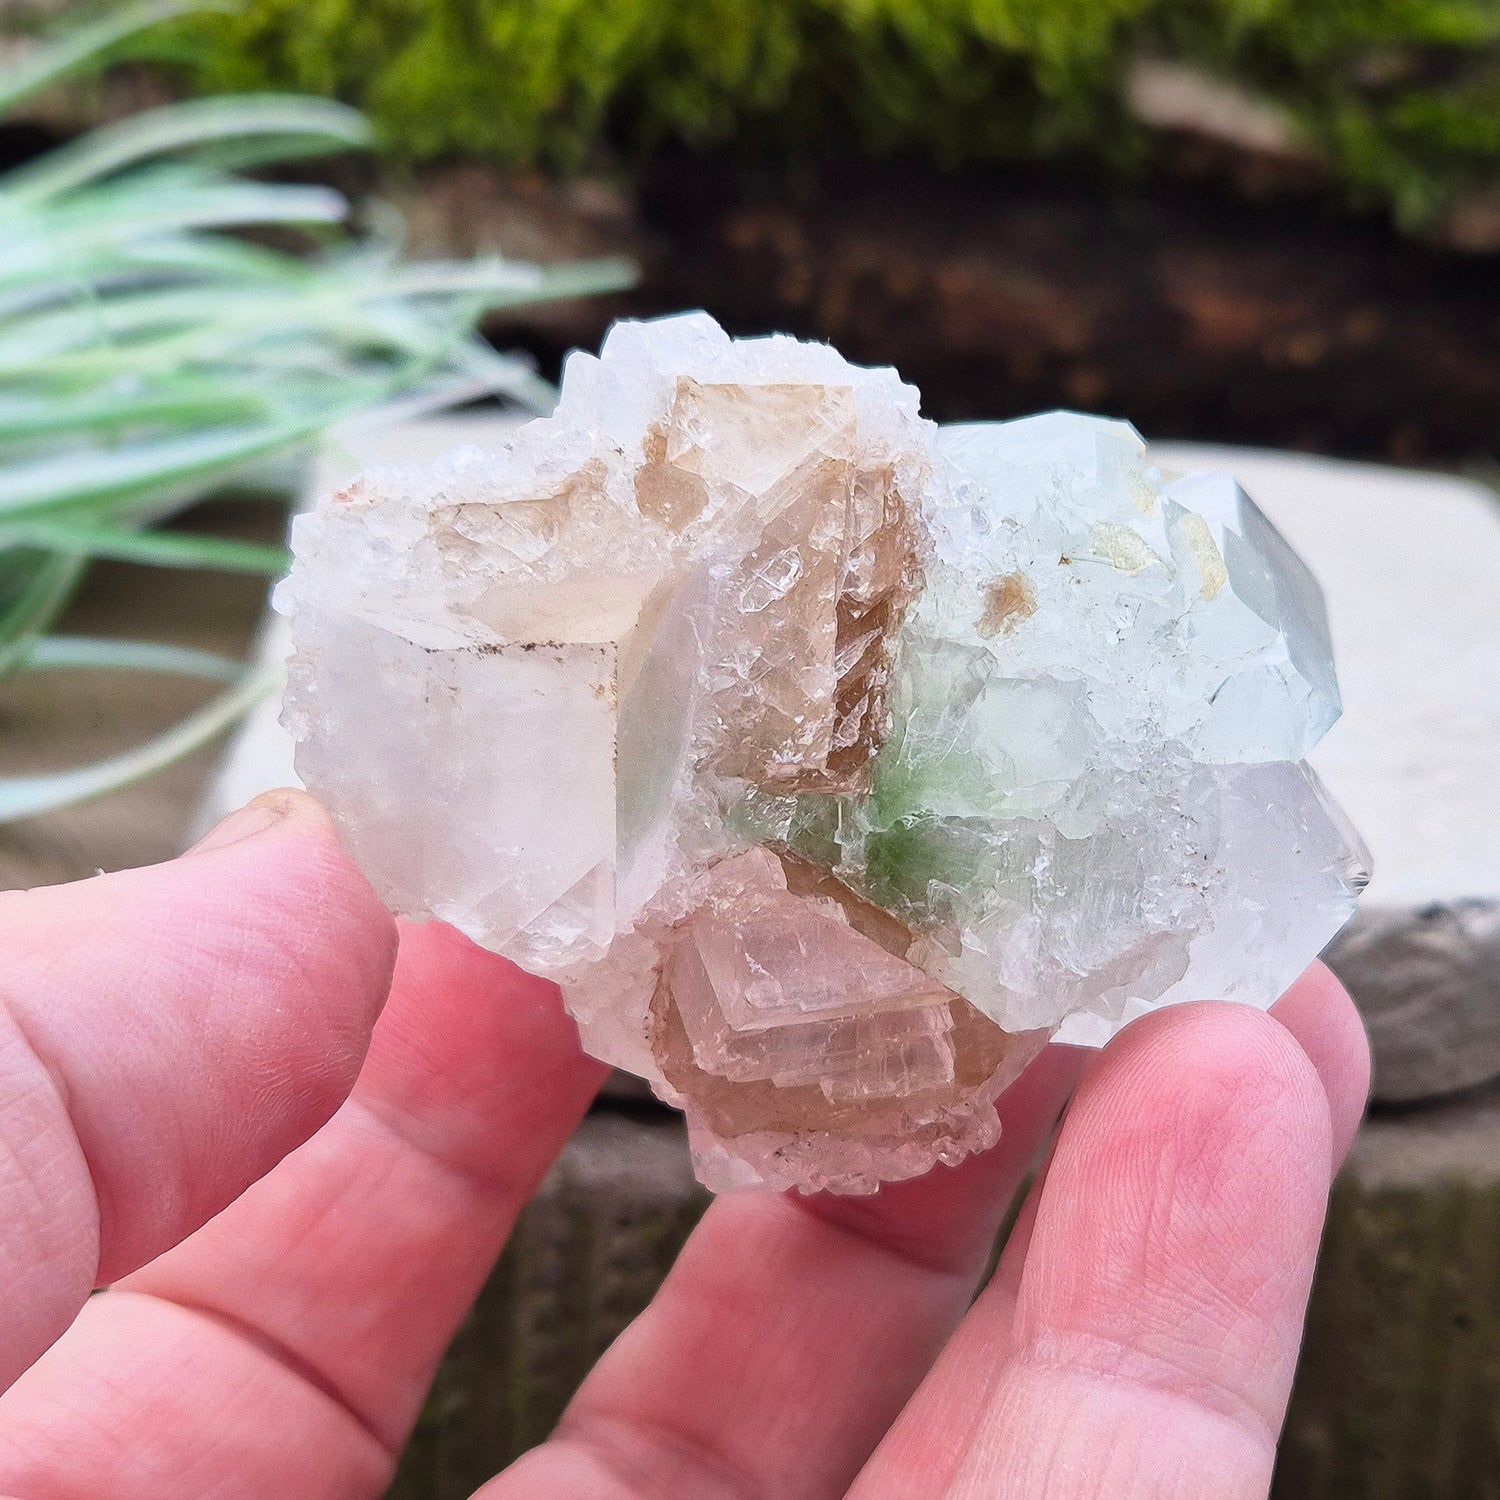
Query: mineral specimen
830, 762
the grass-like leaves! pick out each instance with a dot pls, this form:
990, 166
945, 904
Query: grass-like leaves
169, 327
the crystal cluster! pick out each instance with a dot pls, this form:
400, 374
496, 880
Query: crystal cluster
831, 762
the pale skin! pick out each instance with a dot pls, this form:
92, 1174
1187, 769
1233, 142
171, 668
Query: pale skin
292, 1139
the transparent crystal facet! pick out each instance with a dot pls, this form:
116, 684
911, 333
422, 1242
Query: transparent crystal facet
831, 762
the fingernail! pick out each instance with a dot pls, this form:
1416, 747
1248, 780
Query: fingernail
244, 824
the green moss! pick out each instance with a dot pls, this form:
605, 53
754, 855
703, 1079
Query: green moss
1402, 95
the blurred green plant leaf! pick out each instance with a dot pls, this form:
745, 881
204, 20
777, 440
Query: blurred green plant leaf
88, 45
168, 328
224, 133
27, 796
53, 652
34, 589
162, 549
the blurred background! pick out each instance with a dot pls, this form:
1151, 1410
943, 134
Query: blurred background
238, 239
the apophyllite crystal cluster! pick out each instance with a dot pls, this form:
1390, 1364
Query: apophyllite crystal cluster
830, 761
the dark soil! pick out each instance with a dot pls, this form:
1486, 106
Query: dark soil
1192, 311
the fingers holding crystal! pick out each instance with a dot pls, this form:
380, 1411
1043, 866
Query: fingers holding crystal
1318, 1012
166, 1036
832, 763
1141, 1335
363, 1253
296, 1333
791, 1331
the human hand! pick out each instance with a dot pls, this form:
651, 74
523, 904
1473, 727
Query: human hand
288, 1264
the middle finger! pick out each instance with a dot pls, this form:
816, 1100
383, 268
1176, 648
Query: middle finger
791, 1331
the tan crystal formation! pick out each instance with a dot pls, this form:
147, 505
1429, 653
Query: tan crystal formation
819, 592
789, 1024
828, 762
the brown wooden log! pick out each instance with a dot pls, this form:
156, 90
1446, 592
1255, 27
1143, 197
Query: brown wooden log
1191, 311
1227, 297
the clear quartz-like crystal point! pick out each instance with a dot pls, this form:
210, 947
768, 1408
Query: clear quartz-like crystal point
830, 762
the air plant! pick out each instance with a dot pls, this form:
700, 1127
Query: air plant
169, 327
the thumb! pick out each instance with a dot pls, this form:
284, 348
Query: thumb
166, 1036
